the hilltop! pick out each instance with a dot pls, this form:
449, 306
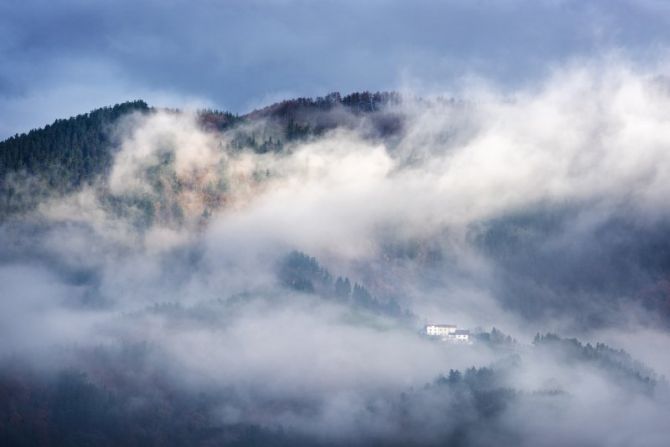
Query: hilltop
68, 153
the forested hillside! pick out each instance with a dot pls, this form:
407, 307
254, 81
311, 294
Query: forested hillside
207, 278
58, 158
303, 273
69, 153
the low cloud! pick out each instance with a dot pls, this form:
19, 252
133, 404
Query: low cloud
512, 209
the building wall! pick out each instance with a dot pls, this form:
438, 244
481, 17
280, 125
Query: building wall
440, 330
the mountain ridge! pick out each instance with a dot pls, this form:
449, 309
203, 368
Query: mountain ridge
70, 152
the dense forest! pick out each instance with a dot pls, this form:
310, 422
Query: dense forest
123, 406
74, 150
303, 273
60, 157
163, 294
69, 153
340, 223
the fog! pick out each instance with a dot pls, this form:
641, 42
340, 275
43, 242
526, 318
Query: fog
539, 210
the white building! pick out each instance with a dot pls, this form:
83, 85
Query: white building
461, 335
448, 332
440, 330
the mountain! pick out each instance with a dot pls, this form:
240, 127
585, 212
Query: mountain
68, 153
59, 157
79, 147
624, 260
206, 278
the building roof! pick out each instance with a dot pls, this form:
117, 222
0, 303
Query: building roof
462, 332
441, 325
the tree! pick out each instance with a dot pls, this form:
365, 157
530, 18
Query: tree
343, 288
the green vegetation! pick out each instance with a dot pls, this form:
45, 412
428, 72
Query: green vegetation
303, 273
58, 158
617, 362
68, 152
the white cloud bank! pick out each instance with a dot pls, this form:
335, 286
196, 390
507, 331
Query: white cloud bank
594, 138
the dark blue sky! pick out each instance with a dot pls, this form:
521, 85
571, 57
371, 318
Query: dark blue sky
62, 57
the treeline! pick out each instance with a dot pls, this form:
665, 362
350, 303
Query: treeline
74, 150
303, 273
125, 400
58, 158
478, 390
616, 362
72, 408
496, 339
301, 118
217, 119
69, 151
355, 102
63, 156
